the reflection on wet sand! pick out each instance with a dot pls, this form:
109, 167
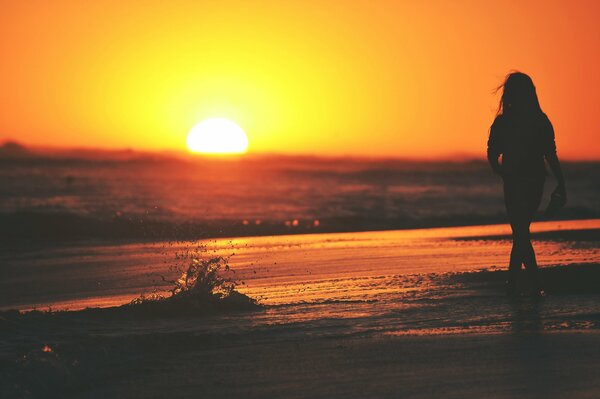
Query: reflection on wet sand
426, 281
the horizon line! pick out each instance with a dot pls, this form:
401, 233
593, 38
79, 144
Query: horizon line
182, 153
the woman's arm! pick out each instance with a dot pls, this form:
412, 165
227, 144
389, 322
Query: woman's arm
552, 159
494, 147
493, 160
554, 164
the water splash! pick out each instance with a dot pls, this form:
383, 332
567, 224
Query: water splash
206, 283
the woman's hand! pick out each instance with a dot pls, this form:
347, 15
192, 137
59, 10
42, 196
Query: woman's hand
497, 169
557, 201
561, 191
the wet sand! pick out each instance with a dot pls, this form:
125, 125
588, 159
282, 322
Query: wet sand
551, 365
415, 314
515, 365
279, 269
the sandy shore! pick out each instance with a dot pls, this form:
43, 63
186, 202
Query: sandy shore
451, 366
409, 314
520, 365
278, 269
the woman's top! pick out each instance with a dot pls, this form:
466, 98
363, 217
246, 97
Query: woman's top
523, 142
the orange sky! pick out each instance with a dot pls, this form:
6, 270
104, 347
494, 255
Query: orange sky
404, 78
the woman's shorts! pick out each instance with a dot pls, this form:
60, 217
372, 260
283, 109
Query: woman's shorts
522, 196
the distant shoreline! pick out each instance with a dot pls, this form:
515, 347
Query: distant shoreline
12, 150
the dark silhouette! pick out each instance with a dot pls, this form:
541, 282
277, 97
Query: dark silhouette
523, 135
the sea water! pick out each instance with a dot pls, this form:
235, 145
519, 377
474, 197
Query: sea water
61, 197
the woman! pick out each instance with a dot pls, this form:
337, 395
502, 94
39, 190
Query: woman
523, 135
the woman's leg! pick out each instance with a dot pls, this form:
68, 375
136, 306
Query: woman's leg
512, 202
522, 198
519, 251
523, 253
530, 261
536, 189
515, 262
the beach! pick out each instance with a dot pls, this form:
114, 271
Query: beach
405, 313
456, 366
279, 199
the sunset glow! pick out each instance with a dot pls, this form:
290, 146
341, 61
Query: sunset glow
407, 79
217, 136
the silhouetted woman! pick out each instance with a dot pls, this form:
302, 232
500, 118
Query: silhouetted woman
523, 135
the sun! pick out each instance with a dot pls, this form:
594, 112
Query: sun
217, 136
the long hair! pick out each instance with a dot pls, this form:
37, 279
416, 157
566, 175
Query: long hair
518, 95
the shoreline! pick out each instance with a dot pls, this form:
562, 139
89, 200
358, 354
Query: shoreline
101, 275
12, 244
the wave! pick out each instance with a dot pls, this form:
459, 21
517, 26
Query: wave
155, 308
206, 285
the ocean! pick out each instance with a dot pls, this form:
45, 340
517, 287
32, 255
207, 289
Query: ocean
135, 196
